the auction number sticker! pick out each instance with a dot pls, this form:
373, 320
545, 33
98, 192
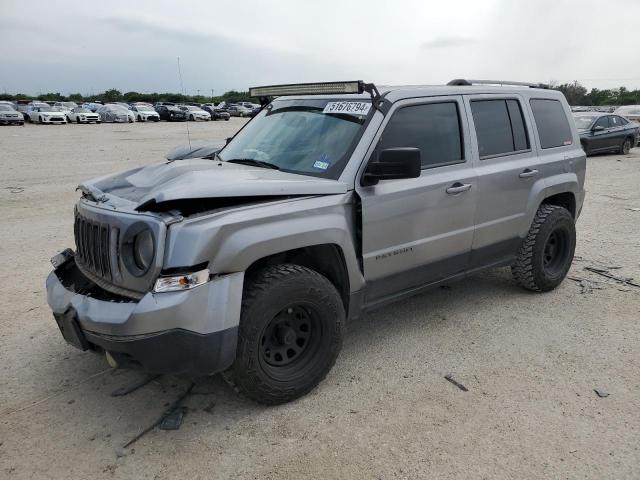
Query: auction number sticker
348, 108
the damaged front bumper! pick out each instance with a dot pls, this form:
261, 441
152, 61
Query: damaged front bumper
190, 332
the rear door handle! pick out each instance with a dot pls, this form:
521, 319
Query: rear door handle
527, 172
458, 188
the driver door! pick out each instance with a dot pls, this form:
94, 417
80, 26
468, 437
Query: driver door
420, 230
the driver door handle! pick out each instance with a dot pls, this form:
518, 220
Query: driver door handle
527, 173
458, 188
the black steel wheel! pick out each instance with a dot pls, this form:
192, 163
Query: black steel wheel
289, 336
546, 253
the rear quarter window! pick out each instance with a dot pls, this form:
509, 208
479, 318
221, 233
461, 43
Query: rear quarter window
551, 122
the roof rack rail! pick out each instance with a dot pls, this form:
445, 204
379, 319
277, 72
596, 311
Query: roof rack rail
465, 82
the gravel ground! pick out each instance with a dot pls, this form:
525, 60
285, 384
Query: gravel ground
530, 361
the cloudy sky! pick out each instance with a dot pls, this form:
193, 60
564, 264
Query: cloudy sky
89, 46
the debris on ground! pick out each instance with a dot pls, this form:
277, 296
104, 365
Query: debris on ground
601, 393
634, 209
174, 406
586, 286
122, 391
606, 273
15, 189
173, 420
450, 378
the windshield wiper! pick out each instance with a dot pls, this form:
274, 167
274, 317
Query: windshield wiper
254, 163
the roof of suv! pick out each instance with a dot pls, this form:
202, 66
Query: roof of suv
395, 93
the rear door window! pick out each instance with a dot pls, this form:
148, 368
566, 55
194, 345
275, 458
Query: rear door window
434, 128
615, 121
551, 121
500, 127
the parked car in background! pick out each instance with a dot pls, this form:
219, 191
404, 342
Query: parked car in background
255, 111
238, 111
9, 115
22, 107
93, 106
82, 115
41, 112
171, 113
602, 132
630, 112
215, 112
68, 106
195, 113
145, 112
111, 113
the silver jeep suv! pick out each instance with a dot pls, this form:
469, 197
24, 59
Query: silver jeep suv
336, 198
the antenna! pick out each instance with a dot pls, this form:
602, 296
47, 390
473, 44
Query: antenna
183, 93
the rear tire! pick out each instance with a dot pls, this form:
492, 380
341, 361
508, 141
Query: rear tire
39, 119
625, 147
546, 253
290, 334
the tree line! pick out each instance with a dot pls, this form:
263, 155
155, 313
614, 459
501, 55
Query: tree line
576, 95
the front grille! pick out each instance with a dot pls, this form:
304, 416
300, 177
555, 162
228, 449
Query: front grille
93, 246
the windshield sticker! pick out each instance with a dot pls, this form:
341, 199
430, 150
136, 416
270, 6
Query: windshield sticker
323, 163
348, 108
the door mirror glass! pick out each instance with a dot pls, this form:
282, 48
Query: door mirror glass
393, 164
597, 128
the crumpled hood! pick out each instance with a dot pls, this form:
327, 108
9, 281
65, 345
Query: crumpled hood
202, 179
195, 149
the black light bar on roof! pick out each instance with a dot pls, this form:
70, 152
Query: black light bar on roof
323, 88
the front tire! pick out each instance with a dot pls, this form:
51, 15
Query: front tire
290, 334
546, 253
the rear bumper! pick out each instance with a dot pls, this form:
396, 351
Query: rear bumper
191, 332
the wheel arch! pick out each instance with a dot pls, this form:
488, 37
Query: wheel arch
327, 259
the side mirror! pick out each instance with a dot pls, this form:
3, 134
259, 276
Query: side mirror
393, 164
597, 128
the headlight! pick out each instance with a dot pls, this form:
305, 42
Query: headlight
138, 249
143, 250
181, 282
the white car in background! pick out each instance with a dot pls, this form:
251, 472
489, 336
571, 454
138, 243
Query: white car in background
82, 115
145, 112
112, 112
40, 112
195, 113
66, 106
630, 112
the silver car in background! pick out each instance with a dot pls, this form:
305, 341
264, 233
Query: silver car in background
195, 113
9, 115
144, 112
113, 113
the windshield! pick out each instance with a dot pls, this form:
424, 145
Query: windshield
69, 104
296, 136
5, 108
41, 105
583, 122
81, 110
